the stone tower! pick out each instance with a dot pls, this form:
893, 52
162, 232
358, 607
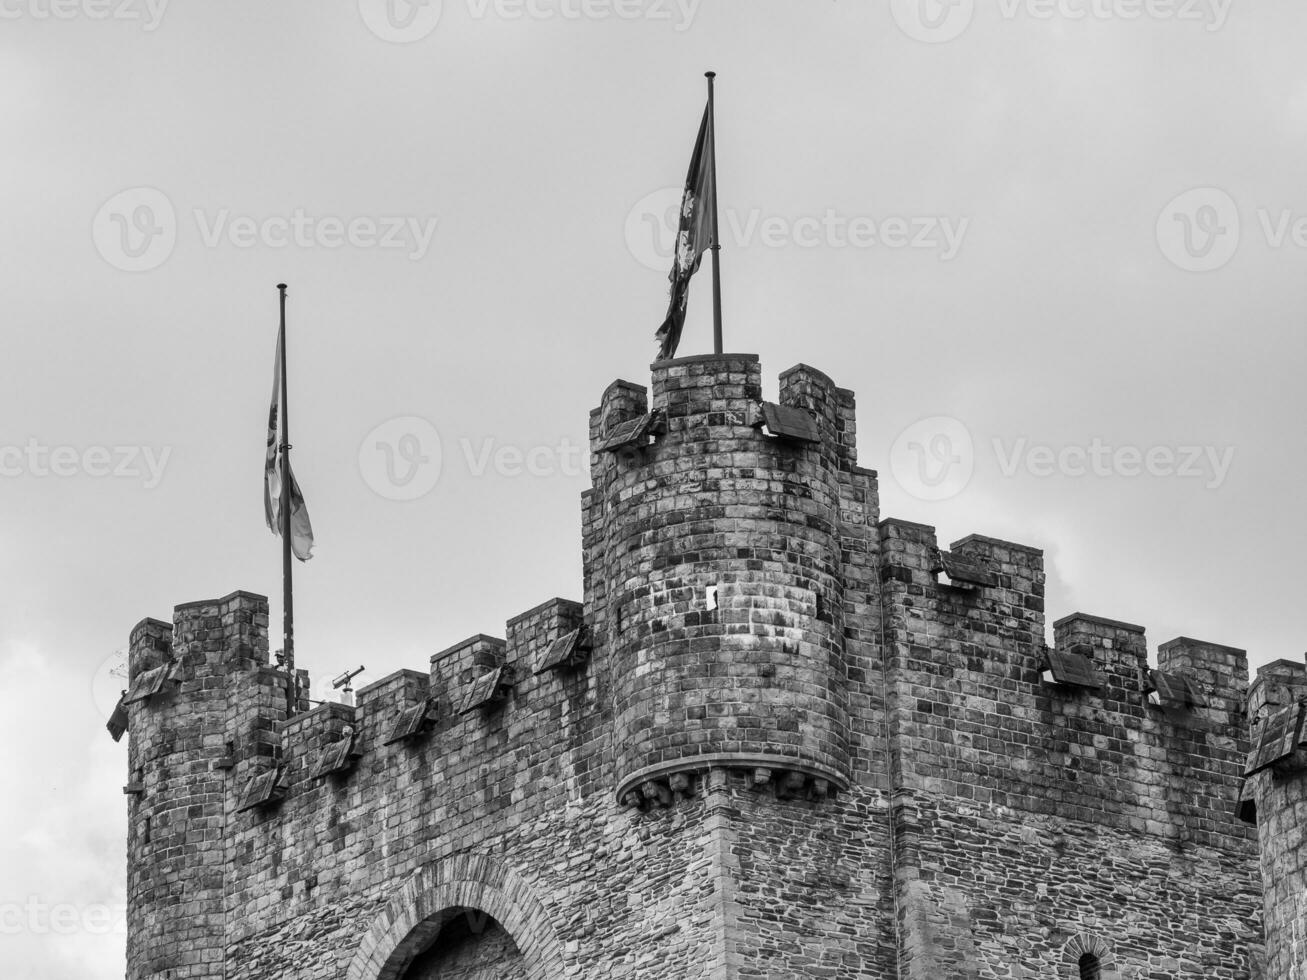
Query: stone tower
716, 576
780, 737
1277, 788
194, 696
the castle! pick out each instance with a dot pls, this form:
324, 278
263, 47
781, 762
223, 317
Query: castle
781, 737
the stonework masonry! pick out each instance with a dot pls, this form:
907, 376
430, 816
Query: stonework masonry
1280, 799
780, 737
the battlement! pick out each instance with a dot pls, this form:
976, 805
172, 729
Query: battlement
760, 662
479, 694
738, 521
1277, 685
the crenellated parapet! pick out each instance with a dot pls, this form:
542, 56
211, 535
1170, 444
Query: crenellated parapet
190, 683
1061, 757
771, 707
714, 573
1084, 726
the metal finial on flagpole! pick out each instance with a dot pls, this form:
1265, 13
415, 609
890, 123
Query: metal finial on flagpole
288, 605
716, 242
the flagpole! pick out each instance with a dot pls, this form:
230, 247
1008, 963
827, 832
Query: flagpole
287, 597
716, 239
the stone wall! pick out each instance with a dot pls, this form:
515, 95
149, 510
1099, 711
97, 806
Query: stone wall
841, 766
1281, 813
470, 947
1028, 813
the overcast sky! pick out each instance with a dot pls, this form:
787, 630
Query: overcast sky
1055, 249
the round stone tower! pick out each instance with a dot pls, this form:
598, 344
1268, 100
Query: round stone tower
179, 762
713, 560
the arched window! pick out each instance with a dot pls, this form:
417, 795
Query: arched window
1088, 957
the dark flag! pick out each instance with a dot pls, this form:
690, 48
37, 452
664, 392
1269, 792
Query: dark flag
301, 531
694, 234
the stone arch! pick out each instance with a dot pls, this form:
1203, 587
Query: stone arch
418, 911
1085, 942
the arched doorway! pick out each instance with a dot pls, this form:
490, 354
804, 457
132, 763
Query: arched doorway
465, 913
471, 945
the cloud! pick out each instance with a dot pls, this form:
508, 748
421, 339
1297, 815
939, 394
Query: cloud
62, 823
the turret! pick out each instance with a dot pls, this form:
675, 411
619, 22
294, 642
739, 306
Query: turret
179, 758
714, 522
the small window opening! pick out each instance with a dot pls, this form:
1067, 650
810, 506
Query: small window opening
1090, 968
